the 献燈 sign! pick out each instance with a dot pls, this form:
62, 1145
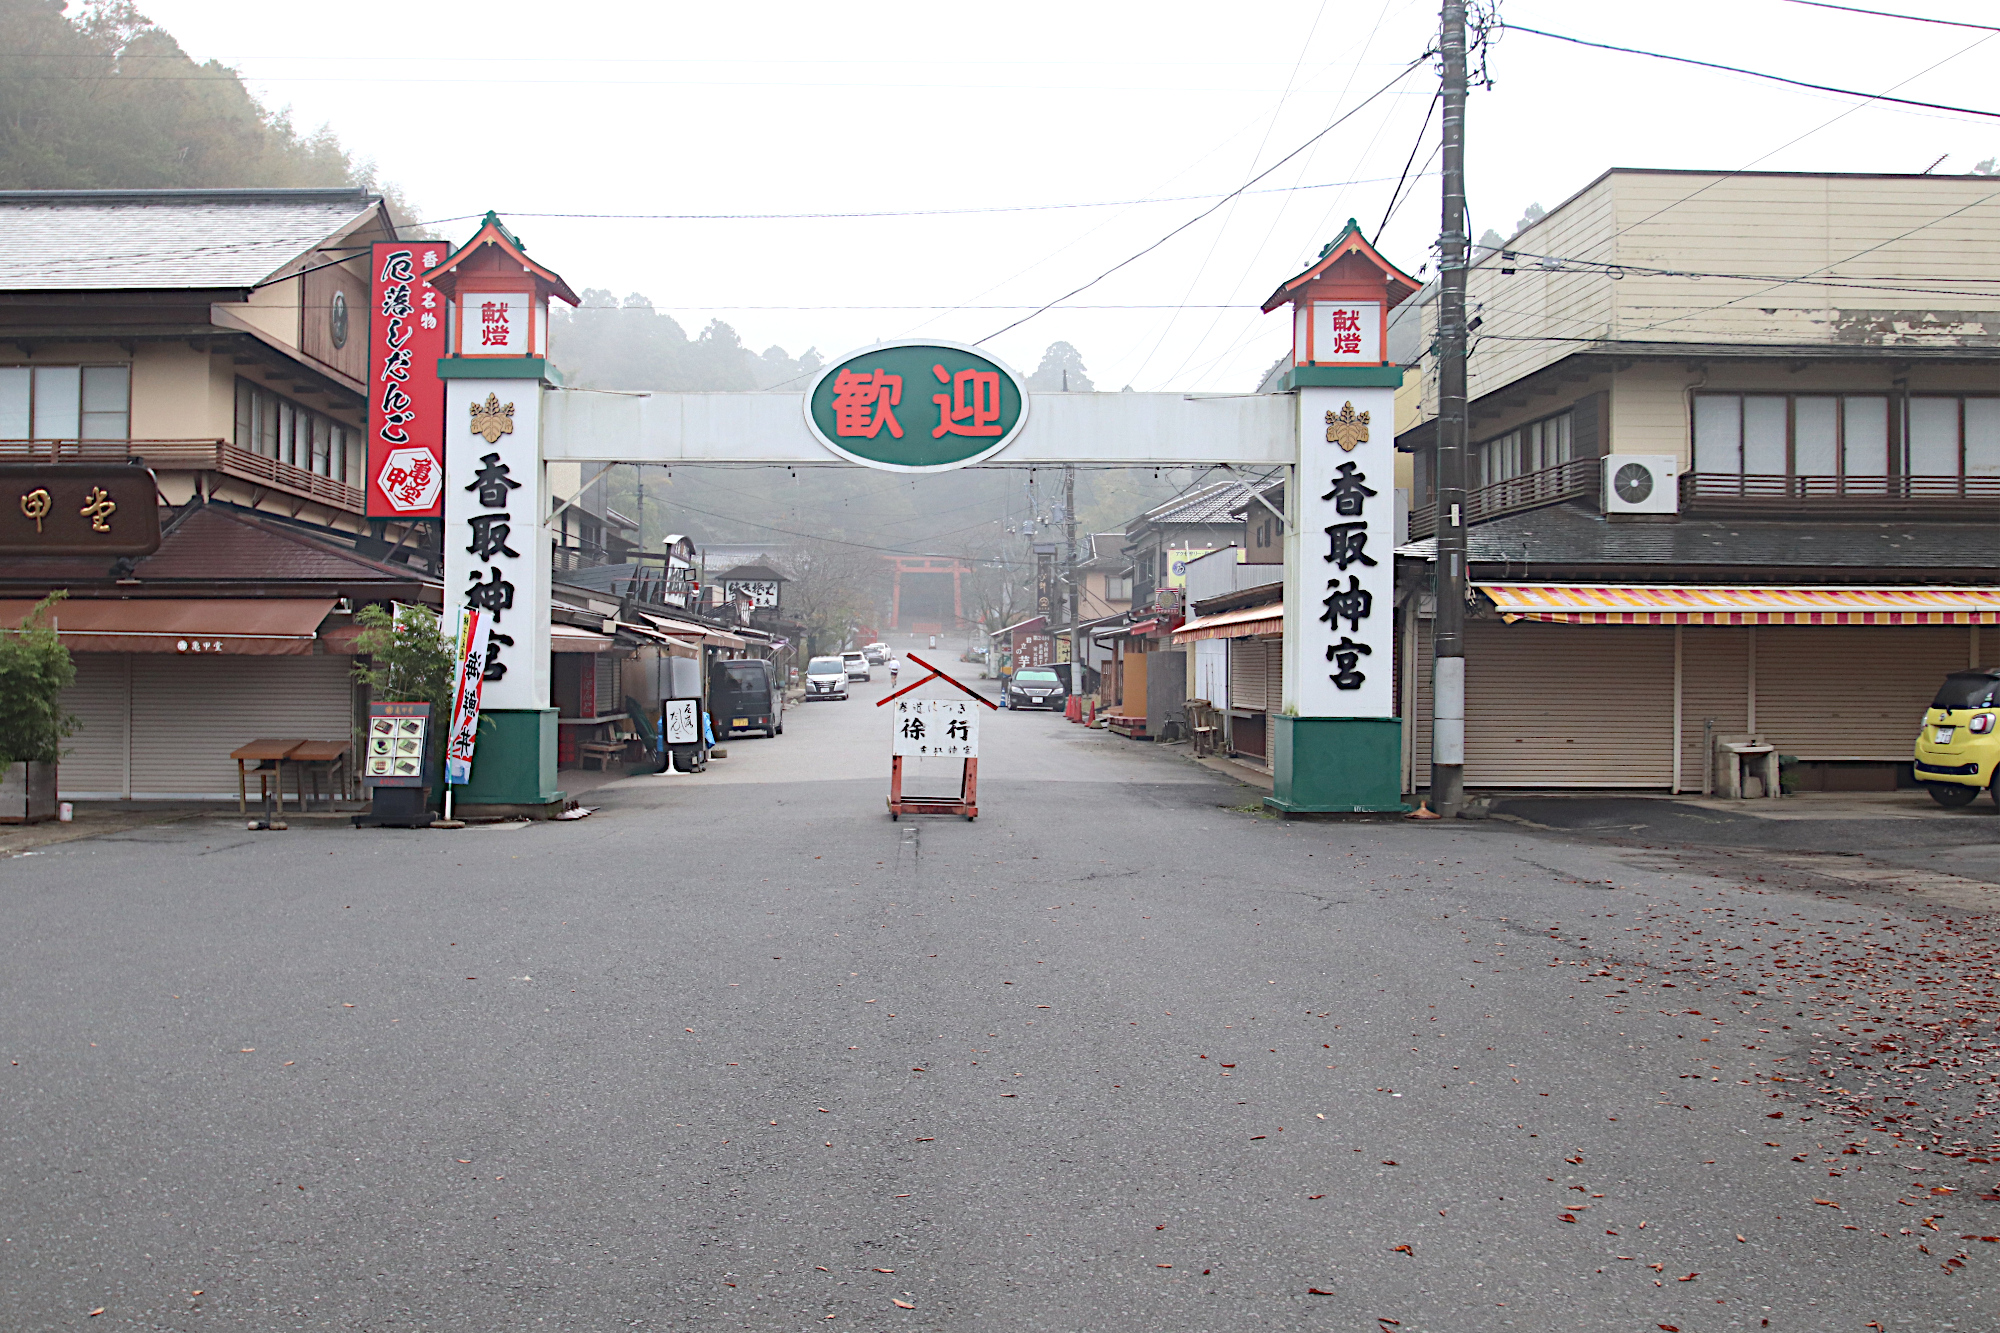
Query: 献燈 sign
916, 406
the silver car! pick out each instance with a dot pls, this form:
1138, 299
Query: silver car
826, 678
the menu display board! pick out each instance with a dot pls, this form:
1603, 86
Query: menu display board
397, 746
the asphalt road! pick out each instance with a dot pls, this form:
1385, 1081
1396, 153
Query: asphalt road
739, 1052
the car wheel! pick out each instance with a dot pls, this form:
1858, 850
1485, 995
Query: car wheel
1952, 795
780, 731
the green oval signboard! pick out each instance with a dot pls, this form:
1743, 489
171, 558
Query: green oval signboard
916, 406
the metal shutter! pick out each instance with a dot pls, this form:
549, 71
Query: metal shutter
93, 762
1247, 675
607, 699
1715, 683
1417, 711
1851, 691
1256, 674
188, 713
1569, 705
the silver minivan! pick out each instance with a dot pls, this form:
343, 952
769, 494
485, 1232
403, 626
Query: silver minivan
826, 678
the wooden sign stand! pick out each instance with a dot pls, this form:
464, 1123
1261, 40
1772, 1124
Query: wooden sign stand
967, 801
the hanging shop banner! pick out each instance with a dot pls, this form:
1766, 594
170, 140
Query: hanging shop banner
405, 395
474, 625
916, 406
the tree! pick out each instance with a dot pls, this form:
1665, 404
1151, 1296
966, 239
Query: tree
608, 344
1061, 370
408, 660
1534, 214
832, 587
107, 99
35, 669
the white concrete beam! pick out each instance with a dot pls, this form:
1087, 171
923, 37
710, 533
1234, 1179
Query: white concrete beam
1139, 429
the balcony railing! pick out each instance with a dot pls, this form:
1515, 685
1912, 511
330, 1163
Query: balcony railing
1776, 493
193, 456
1530, 490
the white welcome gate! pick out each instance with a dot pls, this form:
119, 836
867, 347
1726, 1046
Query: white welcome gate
920, 407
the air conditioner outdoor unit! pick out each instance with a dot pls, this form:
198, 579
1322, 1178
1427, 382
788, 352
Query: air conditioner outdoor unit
1641, 484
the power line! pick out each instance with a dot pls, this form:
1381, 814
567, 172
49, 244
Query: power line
1755, 74
1129, 259
895, 213
1885, 14
1394, 200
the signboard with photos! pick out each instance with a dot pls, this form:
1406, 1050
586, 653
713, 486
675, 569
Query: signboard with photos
398, 741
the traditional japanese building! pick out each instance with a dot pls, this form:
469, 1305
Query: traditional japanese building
1735, 466
217, 338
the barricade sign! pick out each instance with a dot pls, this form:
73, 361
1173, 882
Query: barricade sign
935, 729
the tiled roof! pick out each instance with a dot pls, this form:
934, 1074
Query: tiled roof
219, 544
1211, 504
1571, 536
85, 240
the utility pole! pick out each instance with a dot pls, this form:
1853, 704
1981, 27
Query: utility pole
1448, 629
1069, 567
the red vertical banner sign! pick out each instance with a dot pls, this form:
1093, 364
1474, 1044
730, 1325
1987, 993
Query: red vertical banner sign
406, 397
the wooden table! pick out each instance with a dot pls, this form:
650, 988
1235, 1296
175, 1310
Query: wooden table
315, 757
273, 752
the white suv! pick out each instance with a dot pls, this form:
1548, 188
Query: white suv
857, 666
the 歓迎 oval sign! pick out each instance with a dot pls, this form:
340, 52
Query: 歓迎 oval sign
916, 406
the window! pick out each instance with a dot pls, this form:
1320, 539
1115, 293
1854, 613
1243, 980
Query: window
1530, 448
1844, 439
65, 402
279, 428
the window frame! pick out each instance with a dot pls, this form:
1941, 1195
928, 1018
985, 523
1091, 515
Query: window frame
1897, 423
270, 425
83, 412
1519, 434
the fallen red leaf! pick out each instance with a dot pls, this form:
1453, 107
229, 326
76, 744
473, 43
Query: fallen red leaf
904, 1305
1315, 1291
1402, 1249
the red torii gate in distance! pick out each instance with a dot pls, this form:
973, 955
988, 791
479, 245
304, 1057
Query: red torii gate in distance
926, 564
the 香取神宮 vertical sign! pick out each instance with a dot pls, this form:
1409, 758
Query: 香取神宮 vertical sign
1345, 654
405, 395
496, 559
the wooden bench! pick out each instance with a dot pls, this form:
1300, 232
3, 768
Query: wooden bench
1126, 725
602, 751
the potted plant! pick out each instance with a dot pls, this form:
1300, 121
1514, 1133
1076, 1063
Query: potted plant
402, 657
35, 669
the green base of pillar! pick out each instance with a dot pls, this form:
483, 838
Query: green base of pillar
514, 761
1336, 765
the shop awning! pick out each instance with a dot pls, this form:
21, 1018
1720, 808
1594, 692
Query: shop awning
682, 629
1241, 624
570, 639
1655, 604
187, 626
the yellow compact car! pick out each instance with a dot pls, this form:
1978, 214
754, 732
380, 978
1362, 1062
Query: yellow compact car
1959, 744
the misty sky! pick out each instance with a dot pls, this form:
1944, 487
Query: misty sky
629, 107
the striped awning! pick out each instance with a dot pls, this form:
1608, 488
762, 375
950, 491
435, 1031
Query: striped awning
1653, 604
1240, 624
